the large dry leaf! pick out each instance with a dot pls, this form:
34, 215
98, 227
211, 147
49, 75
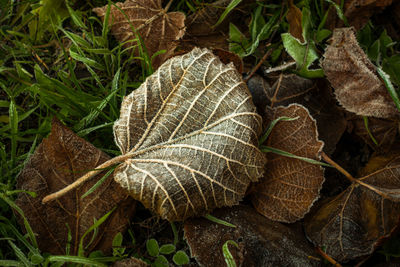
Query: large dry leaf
261, 242
191, 133
353, 223
316, 96
290, 186
58, 161
357, 86
158, 29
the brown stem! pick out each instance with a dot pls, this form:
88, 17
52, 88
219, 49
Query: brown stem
266, 55
85, 178
337, 167
327, 257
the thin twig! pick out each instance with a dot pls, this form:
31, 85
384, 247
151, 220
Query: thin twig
327, 257
266, 55
85, 178
337, 167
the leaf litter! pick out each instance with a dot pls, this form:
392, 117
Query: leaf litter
188, 138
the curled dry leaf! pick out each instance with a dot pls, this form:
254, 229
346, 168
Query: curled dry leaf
58, 161
190, 135
353, 223
290, 186
261, 242
316, 96
158, 29
357, 86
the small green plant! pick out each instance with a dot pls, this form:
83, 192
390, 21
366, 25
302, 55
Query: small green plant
160, 253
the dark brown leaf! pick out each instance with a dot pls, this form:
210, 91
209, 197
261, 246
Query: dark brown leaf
353, 223
384, 131
261, 242
316, 96
227, 57
158, 29
58, 161
294, 17
189, 134
357, 86
200, 31
357, 12
290, 186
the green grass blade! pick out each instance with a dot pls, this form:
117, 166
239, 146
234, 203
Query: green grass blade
75, 259
229, 260
368, 130
10, 263
20, 255
267, 149
389, 87
227, 10
272, 125
13, 114
219, 221
98, 183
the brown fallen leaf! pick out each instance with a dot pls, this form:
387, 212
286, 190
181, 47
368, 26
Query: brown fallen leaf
357, 12
294, 17
189, 137
384, 131
58, 161
226, 57
130, 262
316, 96
158, 29
290, 186
200, 31
357, 86
261, 242
353, 223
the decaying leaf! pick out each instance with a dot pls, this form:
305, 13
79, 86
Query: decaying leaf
158, 29
130, 262
383, 131
227, 57
357, 86
353, 223
200, 30
357, 12
294, 17
58, 161
190, 133
316, 96
290, 186
261, 242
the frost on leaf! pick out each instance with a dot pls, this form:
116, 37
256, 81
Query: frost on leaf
357, 86
191, 133
58, 161
353, 223
158, 29
261, 242
290, 186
